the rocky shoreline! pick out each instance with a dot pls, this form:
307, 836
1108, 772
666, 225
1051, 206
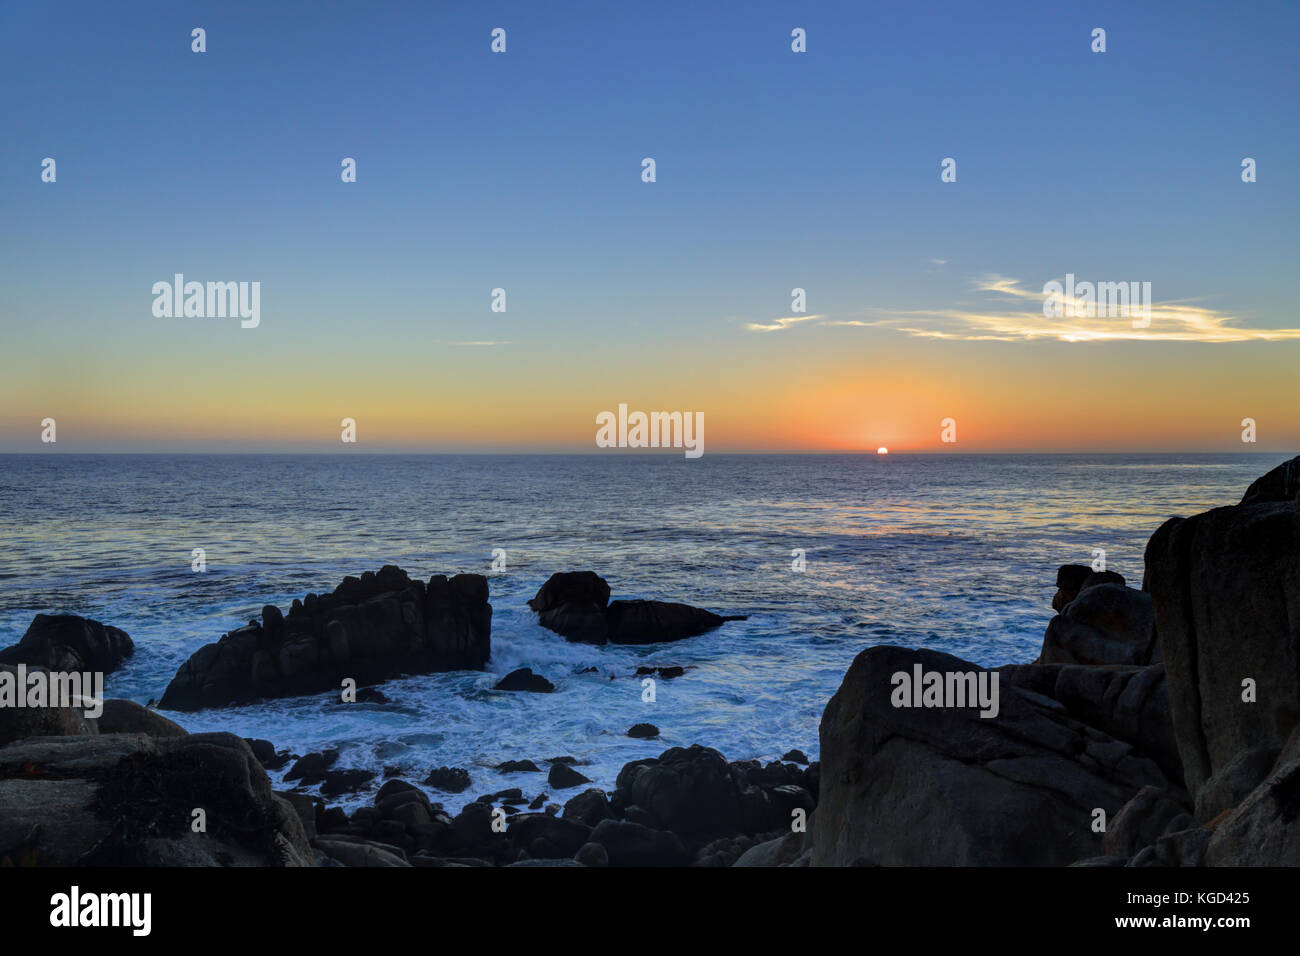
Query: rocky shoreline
1159, 726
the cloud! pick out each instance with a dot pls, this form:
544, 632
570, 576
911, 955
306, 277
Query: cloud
1015, 314
779, 325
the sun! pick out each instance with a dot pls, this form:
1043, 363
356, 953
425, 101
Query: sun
882, 450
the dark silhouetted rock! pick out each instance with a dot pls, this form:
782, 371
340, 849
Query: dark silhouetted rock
643, 731
576, 605
688, 790
562, 777
371, 628
448, 779
518, 766
589, 808
1106, 623
66, 642
525, 680
311, 768
630, 844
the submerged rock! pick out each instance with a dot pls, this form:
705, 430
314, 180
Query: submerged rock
369, 629
524, 679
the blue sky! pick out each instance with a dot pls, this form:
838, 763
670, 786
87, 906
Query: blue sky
521, 170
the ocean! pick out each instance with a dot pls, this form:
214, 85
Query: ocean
953, 552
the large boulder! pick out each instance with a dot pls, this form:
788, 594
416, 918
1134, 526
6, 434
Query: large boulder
1226, 585
128, 717
944, 786
66, 642
1105, 623
572, 604
576, 605
688, 790
130, 800
369, 629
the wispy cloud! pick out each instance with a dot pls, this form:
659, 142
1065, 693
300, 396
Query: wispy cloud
1012, 312
778, 325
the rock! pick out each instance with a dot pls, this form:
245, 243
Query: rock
128, 800
1227, 788
17, 723
1140, 822
689, 791
667, 673
128, 717
448, 779
576, 604
1128, 703
547, 837
643, 731
782, 851
311, 768
66, 642
305, 806
588, 808
650, 622
1225, 585
369, 629
934, 786
572, 604
345, 781
562, 777
362, 853
395, 786
795, 756
1185, 847
630, 844
1265, 829
1280, 484
518, 766
1105, 624
524, 679
592, 854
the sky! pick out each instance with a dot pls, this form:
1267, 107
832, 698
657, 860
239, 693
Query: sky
774, 170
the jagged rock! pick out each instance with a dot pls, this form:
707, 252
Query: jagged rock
311, 768
651, 622
362, 853
1128, 703
66, 642
1227, 788
128, 800
547, 837
927, 786
448, 779
1225, 585
518, 766
643, 731
369, 629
